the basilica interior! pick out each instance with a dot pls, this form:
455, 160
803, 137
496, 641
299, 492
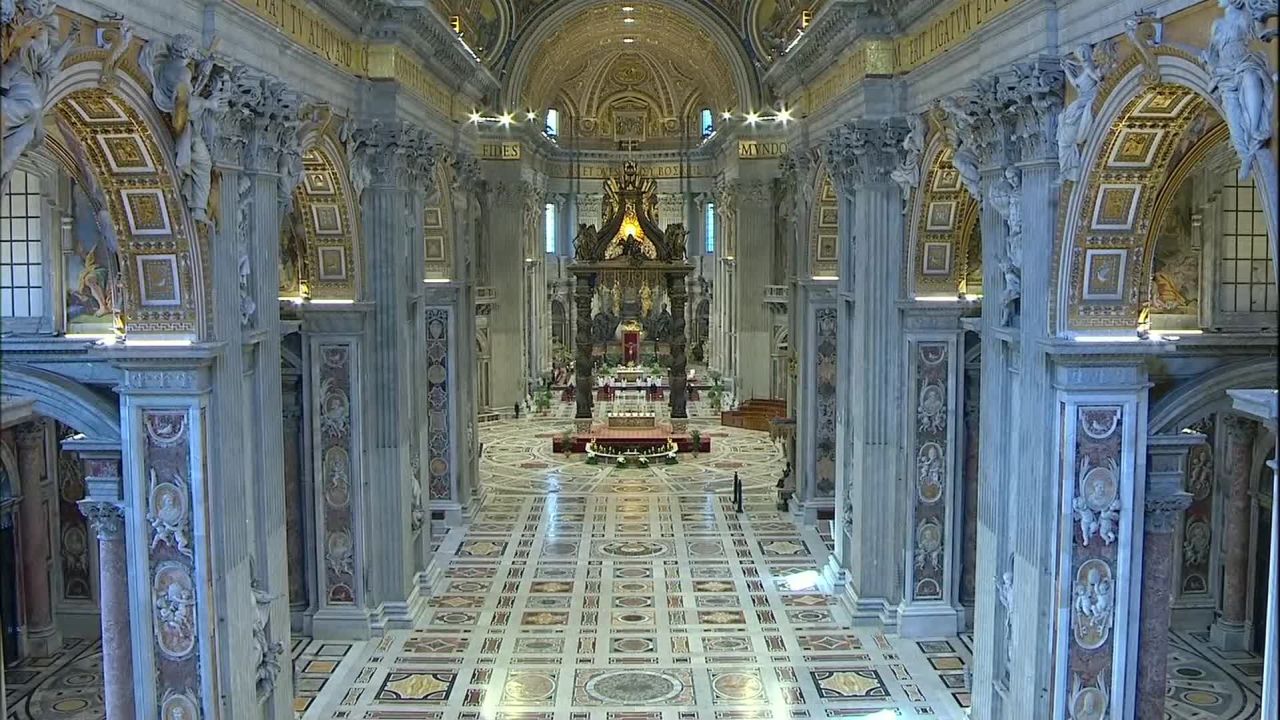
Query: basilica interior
648, 360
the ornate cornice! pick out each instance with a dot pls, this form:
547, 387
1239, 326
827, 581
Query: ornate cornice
864, 152
838, 25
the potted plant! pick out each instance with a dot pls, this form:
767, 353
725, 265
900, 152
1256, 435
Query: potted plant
542, 401
566, 442
695, 438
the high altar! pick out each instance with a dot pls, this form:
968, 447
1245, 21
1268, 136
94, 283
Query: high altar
623, 267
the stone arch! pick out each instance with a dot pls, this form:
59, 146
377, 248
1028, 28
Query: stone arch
115, 143
1208, 393
1139, 134
437, 226
824, 224
320, 251
64, 400
944, 217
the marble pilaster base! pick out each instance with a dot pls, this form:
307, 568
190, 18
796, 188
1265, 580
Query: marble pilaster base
398, 614
1228, 636
41, 642
448, 509
928, 620
344, 623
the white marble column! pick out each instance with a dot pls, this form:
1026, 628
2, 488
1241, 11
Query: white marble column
399, 161
860, 156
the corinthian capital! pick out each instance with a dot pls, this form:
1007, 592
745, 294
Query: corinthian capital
106, 518
864, 153
1029, 96
392, 152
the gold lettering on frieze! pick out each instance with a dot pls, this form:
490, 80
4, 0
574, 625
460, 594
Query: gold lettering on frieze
500, 151
600, 172
761, 149
307, 28
949, 29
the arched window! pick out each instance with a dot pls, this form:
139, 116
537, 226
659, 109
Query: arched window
21, 255
550, 217
552, 128
707, 121
711, 228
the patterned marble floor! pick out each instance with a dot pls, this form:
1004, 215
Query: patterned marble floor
584, 592
593, 593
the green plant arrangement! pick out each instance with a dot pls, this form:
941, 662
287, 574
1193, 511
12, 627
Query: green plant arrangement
695, 437
566, 442
542, 401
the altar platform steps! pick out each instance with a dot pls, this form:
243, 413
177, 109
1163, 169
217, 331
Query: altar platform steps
754, 414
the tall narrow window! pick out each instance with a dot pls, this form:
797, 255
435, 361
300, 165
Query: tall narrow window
1244, 283
552, 128
711, 228
21, 266
550, 218
708, 122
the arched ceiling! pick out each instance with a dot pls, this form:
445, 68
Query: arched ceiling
633, 69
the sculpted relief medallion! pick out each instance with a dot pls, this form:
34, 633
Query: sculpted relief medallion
174, 610
1092, 604
930, 471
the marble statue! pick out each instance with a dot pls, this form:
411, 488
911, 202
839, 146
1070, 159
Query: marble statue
907, 173
1085, 75
1004, 593
963, 157
266, 654
32, 62
1092, 603
1006, 196
194, 101
1240, 79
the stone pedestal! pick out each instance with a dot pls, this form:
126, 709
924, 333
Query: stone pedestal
1230, 631
1165, 502
107, 521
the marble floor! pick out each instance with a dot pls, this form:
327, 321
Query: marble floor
582, 592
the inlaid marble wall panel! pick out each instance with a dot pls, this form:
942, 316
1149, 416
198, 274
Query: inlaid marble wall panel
932, 397
73, 532
825, 402
333, 365
1096, 560
969, 481
439, 399
1195, 537
175, 590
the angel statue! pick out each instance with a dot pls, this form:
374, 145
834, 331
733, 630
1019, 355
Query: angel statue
1005, 196
31, 60
1085, 75
584, 246
179, 91
907, 173
1239, 76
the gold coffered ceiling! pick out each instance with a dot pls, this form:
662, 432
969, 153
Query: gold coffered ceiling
627, 80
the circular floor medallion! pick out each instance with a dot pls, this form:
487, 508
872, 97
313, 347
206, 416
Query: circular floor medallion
738, 686
529, 687
634, 687
1201, 698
